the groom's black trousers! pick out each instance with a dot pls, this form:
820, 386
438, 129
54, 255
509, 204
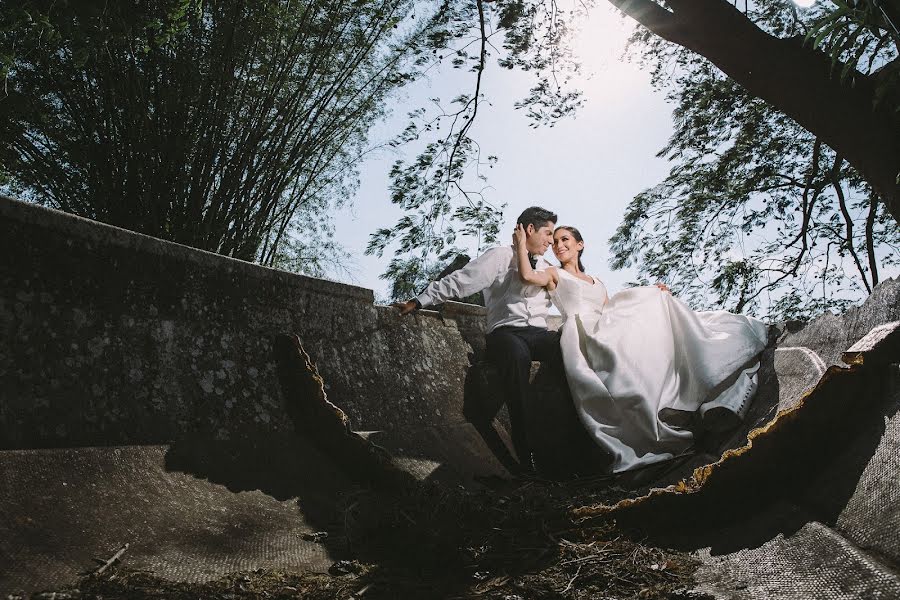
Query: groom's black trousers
511, 350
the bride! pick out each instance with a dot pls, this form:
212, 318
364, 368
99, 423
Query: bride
643, 368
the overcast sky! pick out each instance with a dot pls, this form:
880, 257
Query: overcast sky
586, 168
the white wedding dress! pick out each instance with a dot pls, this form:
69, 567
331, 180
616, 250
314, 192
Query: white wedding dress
643, 367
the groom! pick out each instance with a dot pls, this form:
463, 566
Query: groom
516, 315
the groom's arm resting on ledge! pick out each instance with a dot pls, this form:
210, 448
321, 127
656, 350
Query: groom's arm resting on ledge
474, 277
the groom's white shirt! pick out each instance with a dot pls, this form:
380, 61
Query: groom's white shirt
508, 300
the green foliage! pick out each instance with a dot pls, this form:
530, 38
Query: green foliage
408, 277
309, 248
437, 212
223, 125
862, 36
227, 125
442, 191
755, 214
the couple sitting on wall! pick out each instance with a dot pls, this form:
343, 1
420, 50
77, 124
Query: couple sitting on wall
643, 368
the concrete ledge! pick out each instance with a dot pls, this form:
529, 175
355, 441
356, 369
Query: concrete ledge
113, 337
94, 233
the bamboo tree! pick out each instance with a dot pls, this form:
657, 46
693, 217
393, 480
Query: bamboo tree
217, 124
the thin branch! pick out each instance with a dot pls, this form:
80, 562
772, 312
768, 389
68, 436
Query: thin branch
870, 235
848, 220
119, 553
482, 57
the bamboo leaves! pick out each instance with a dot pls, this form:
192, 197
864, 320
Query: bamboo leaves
221, 125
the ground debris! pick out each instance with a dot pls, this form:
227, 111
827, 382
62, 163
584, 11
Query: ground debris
140, 585
318, 536
522, 542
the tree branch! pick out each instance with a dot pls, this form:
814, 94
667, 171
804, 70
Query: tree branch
652, 16
482, 58
836, 184
796, 79
870, 241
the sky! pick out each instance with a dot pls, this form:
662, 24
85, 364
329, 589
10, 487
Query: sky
586, 168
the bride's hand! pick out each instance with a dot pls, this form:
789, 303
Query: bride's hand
663, 287
518, 238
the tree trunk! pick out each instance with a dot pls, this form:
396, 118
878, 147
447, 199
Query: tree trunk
792, 77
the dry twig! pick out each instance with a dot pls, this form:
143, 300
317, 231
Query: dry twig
112, 559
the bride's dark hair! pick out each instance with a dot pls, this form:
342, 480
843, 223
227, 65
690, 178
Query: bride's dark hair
577, 235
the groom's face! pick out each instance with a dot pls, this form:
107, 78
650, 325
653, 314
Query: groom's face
537, 240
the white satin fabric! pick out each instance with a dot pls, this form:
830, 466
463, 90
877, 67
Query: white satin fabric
642, 363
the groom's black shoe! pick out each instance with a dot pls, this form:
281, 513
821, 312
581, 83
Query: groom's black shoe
525, 469
525, 459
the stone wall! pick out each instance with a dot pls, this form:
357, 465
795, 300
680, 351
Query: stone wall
112, 337
805, 350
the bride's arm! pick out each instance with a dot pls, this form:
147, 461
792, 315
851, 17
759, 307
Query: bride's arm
527, 274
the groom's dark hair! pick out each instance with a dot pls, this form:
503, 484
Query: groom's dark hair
537, 216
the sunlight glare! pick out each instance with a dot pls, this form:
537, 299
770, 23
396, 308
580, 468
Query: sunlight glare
599, 45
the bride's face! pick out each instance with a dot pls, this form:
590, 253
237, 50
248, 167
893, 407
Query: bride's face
565, 246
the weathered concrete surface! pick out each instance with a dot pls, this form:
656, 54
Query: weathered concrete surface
839, 536
878, 345
829, 335
813, 562
111, 337
805, 350
188, 512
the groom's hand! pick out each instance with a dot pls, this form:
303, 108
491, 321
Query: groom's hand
406, 307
